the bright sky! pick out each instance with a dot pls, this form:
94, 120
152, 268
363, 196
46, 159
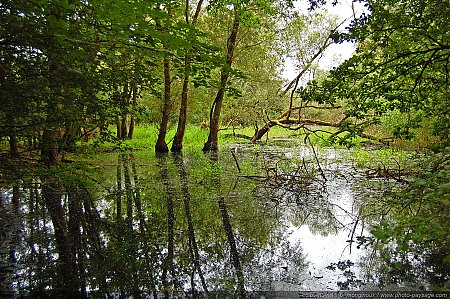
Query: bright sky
336, 53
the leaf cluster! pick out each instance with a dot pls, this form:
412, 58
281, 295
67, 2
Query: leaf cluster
401, 64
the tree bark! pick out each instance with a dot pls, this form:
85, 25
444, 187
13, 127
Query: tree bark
13, 146
212, 142
125, 101
177, 144
118, 127
124, 127
50, 147
132, 120
70, 137
161, 145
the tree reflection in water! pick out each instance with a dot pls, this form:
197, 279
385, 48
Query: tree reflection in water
166, 225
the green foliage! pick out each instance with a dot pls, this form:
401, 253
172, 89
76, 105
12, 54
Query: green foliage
400, 65
72, 65
415, 218
388, 158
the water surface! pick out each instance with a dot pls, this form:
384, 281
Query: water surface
250, 218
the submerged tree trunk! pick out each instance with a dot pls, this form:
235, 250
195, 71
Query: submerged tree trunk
130, 237
235, 258
52, 194
119, 191
193, 247
91, 228
168, 263
161, 145
142, 228
214, 118
76, 195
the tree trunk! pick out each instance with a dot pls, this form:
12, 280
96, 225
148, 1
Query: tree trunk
193, 247
177, 144
124, 128
52, 195
122, 118
118, 127
13, 146
131, 128
132, 120
168, 263
70, 137
261, 132
119, 191
212, 142
161, 145
50, 152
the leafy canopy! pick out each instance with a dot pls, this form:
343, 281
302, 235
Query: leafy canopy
401, 63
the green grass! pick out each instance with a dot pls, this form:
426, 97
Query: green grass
144, 138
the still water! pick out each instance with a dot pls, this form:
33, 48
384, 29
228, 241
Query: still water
250, 218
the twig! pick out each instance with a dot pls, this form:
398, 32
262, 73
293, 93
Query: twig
236, 161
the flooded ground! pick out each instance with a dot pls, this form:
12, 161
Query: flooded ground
252, 218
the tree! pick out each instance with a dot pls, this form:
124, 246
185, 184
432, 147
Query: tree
177, 144
161, 145
67, 66
401, 64
212, 142
304, 39
255, 81
244, 14
186, 55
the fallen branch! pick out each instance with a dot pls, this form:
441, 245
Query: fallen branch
238, 135
288, 123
